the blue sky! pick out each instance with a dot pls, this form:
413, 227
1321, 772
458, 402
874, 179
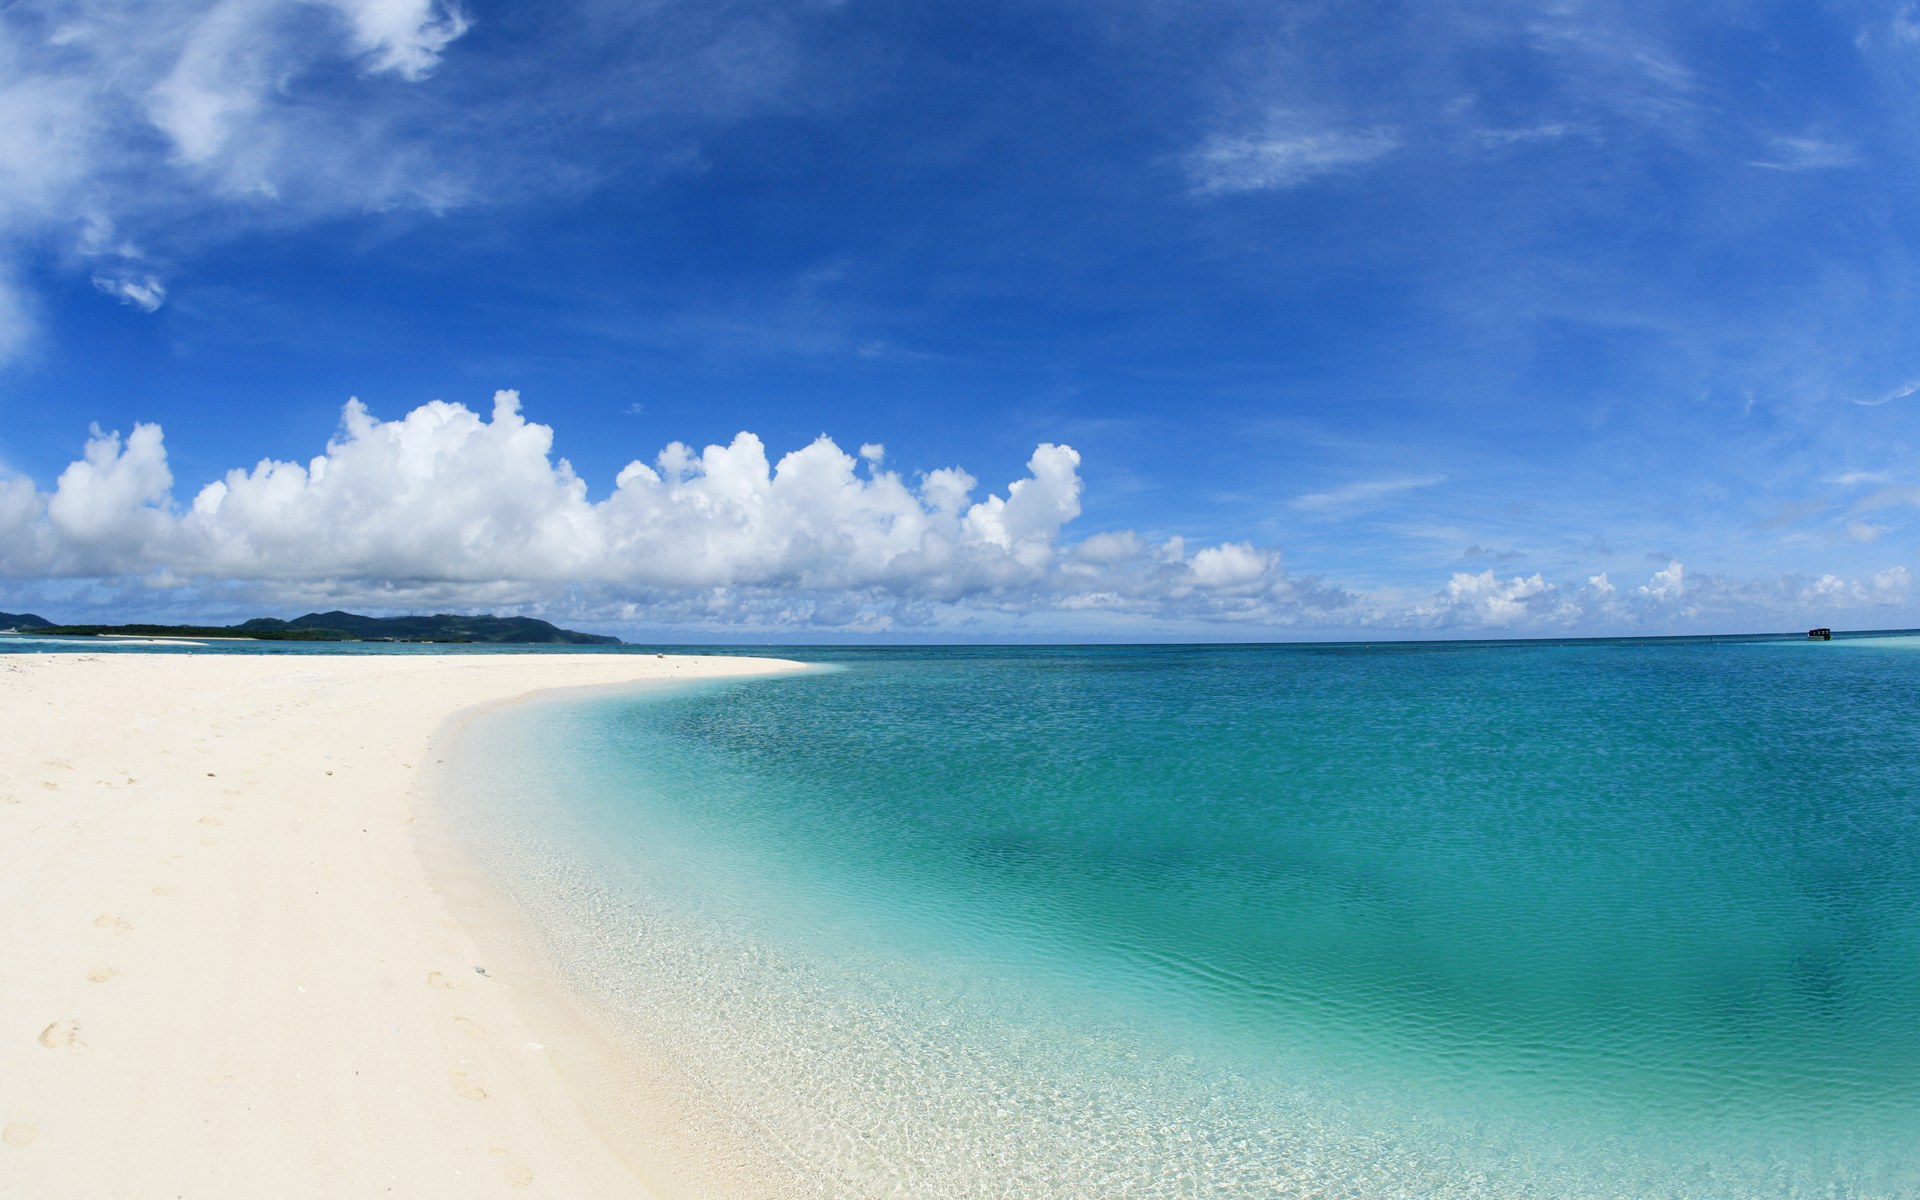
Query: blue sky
1359, 319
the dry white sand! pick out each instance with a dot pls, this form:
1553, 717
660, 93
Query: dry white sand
224, 968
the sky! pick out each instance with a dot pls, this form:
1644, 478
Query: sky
996, 320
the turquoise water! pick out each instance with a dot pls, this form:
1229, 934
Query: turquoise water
1598, 919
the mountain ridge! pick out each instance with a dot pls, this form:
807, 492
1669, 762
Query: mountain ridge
339, 626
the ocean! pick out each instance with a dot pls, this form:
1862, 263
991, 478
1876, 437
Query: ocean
1620, 919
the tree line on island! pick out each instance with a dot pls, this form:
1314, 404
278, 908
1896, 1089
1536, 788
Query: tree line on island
337, 627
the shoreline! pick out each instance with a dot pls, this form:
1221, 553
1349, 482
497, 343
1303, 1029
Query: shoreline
680, 1140
239, 966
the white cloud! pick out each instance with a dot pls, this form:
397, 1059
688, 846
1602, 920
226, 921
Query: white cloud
445, 507
1549, 131
442, 495
1364, 492
1806, 154
1284, 154
109, 506
1888, 397
1667, 584
1887, 587
1888, 497
144, 292
402, 36
1857, 478
134, 114
1232, 567
1486, 601
1103, 549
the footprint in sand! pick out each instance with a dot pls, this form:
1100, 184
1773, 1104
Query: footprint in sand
101, 973
209, 841
20, 1133
471, 1029
115, 923
61, 1035
436, 980
161, 889
211, 820
467, 1087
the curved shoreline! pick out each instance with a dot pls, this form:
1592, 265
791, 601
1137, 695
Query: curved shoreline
233, 970
679, 1139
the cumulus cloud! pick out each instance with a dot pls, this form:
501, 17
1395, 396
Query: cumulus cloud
444, 507
1486, 601
446, 501
1890, 586
447, 507
1667, 584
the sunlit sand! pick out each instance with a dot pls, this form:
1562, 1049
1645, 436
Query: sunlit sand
228, 972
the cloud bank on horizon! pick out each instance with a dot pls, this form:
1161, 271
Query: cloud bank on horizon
445, 507
1531, 318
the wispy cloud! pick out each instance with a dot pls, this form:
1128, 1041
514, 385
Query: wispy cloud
1286, 153
1888, 497
1551, 131
1367, 492
144, 292
1888, 397
1860, 478
121, 114
1806, 154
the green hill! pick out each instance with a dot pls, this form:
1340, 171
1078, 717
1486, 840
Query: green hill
441, 627
343, 627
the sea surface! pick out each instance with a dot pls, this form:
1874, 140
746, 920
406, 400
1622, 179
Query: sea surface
1503, 920
1558, 920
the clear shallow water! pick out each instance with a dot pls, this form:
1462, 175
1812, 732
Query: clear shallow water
1515, 920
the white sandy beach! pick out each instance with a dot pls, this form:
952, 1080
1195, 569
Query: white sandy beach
227, 968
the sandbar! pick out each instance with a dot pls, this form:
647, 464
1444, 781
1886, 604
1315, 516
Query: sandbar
228, 968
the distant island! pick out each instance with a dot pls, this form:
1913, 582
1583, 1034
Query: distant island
339, 627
